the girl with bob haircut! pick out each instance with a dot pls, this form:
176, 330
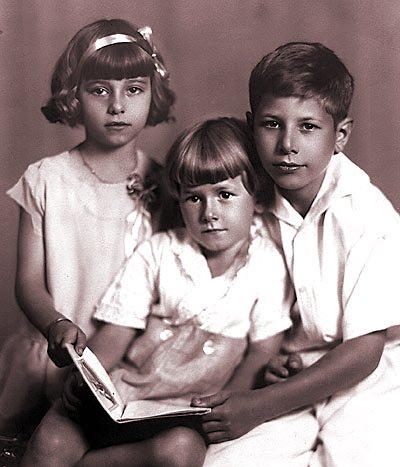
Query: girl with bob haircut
77, 64
82, 212
211, 152
222, 299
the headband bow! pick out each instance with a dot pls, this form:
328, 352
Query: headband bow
145, 33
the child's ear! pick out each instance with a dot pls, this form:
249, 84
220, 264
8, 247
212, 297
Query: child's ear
250, 120
343, 131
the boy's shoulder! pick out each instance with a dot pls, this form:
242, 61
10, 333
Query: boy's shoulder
353, 199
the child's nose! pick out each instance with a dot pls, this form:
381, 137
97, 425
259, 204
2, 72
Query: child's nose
288, 143
210, 213
116, 106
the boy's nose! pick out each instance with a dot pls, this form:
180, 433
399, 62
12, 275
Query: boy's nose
288, 144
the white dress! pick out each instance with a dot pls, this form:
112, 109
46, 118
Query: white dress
88, 228
208, 320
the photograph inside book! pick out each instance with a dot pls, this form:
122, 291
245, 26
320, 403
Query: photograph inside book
102, 387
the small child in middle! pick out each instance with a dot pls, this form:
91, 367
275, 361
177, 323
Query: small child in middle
222, 293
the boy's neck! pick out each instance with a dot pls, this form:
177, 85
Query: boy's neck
302, 200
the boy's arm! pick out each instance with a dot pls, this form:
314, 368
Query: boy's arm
257, 356
234, 414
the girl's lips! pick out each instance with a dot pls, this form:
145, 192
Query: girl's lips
117, 124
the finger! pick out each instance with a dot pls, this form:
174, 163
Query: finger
295, 362
277, 362
212, 416
280, 372
270, 378
217, 437
210, 401
80, 343
211, 427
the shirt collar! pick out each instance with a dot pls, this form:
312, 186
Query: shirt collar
342, 178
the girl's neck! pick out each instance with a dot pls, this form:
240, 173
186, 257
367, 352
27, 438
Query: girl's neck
109, 165
228, 261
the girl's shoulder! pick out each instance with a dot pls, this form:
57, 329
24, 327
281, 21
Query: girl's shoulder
51, 166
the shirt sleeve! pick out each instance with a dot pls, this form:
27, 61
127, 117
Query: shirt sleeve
271, 312
128, 300
30, 193
370, 289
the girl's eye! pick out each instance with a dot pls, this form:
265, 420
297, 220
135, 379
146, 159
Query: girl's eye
134, 90
99, 91
226, 195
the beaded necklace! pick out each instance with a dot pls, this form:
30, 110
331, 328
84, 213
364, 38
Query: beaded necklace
135, 185
100, 179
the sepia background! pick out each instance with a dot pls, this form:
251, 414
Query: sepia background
210, 47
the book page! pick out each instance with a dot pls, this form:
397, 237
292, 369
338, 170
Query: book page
98, 381
105, 392
141, 409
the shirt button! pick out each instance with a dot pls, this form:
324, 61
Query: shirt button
166, 334
208, 347
302, 289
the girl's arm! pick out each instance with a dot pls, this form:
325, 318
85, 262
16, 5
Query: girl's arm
110, 343
234, 414
257, 356
34, 298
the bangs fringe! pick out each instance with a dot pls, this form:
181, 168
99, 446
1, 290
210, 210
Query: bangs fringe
206, 163
118, 62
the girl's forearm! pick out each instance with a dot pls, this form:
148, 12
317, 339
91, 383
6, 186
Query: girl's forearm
37, 305
110, 344
341, 368
257, 356
30, 284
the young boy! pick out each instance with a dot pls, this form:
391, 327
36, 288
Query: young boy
340, 237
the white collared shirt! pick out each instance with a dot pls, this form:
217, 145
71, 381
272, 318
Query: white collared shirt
343, 258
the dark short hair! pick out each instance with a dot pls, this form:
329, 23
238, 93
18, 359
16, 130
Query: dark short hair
212, 151
122, 60
306, 70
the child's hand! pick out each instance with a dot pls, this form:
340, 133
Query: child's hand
232, 415
60, 333
281, 367
72, 393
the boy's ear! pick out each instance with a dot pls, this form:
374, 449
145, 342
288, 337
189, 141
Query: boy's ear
343, 132
250, 120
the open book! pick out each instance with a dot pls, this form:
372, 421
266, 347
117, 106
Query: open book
105, 392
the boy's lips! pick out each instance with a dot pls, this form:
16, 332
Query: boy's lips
288, 166
211, 231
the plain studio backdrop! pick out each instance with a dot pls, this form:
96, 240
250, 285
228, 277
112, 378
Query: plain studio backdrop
210, 47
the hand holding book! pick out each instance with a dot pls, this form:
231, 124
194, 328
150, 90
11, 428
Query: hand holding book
99, 382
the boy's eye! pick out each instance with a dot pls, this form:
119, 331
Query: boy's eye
271, 124
192, 199
308, 126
